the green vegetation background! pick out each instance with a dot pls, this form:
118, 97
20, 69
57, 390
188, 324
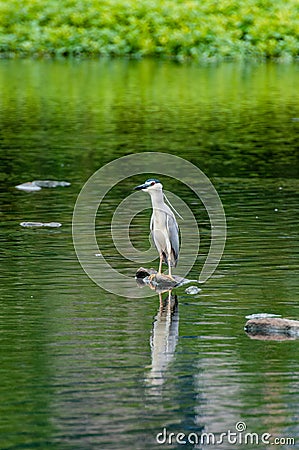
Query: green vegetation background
172, 28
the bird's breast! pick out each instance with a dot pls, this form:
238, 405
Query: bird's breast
159, 219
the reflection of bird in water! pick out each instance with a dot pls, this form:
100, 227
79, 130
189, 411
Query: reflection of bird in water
164, 227
163, 340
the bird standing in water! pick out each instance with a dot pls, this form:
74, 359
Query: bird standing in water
163, 225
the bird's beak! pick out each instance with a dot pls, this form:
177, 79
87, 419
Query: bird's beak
141, 186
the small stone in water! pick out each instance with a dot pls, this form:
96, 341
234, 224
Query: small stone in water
40, 224
52, 224
262, 316
28, 187
51, 183
192, 290
31, 224
36, 185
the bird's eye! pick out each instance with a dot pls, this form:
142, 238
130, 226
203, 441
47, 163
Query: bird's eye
152, 183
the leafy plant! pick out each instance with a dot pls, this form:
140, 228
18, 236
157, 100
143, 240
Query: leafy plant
172, 28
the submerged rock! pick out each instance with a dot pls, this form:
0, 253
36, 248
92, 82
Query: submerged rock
28, 187
262, 316
159, 282
143, 273
192, 290
37, 185
51, 183
40, 224
272, 328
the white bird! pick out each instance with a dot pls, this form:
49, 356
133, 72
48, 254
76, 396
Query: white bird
163, 225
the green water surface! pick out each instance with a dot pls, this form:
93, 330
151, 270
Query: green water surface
82, 368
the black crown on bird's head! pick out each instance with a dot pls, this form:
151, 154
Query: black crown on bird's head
148, 184
152, 180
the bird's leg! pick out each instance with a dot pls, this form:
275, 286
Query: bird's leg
152, 276
169, 272
160, 265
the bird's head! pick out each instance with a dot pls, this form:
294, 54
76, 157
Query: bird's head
150, 185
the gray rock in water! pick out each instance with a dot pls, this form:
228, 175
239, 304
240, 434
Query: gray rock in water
272, 328
262, 316
52, 224
31, 224
159, 282
192, 290
51, 183
36, 185
40, 224
28, 187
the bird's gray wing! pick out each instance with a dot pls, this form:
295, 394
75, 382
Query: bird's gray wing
173, 232
152, 224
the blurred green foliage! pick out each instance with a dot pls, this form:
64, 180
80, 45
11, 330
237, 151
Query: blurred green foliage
200, 30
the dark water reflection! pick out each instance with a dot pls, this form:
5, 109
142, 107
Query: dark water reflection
77, 367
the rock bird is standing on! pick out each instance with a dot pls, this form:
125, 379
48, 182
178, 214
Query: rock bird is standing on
163, 226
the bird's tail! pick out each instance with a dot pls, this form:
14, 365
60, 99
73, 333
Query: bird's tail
173, 258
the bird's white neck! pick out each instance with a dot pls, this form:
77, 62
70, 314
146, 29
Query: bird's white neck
157, 198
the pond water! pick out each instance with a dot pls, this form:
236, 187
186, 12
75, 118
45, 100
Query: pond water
83, 368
